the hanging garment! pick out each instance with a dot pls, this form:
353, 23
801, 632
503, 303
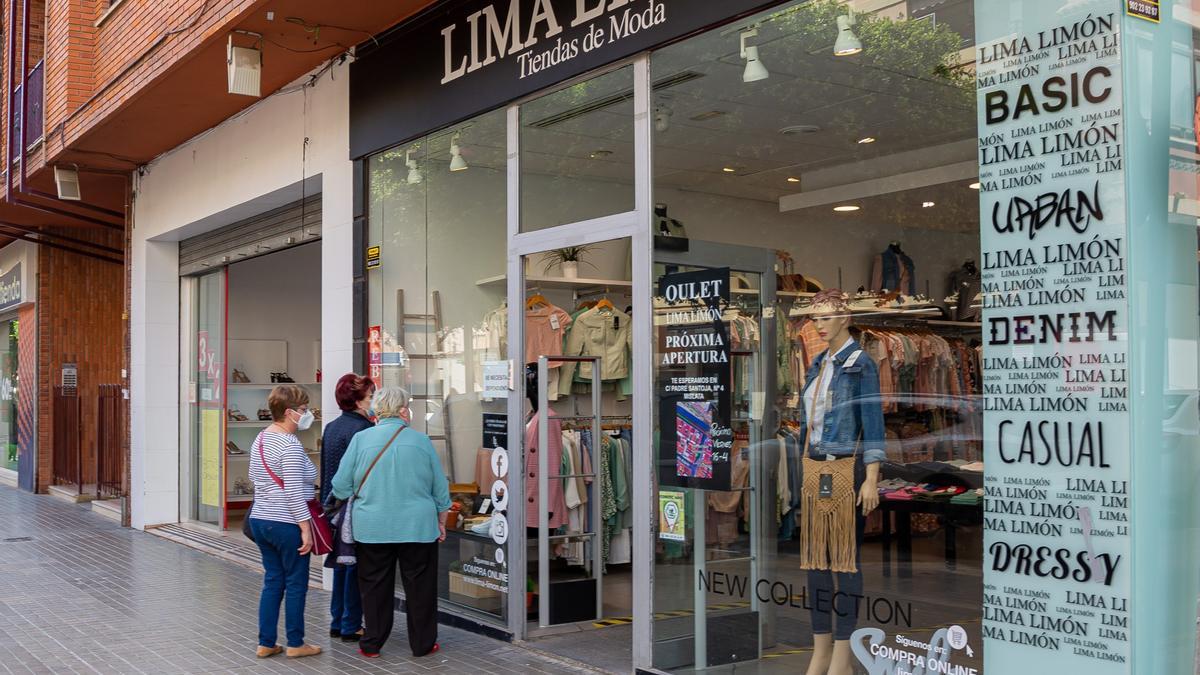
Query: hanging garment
556, 502
893, 271
598, 332
545, 328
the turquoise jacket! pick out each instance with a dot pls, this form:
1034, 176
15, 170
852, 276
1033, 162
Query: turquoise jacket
405, 492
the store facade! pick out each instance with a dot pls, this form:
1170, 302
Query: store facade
18, 366
600, 246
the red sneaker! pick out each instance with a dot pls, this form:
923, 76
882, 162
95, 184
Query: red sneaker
368, 655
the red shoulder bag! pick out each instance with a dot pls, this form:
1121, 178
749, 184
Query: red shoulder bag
322, 535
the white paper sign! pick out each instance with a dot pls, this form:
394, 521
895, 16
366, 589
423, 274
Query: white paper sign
497, 379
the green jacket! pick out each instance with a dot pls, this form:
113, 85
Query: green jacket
405, 492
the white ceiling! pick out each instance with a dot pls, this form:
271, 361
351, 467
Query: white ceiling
918, 119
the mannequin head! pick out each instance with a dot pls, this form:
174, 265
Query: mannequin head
832, 318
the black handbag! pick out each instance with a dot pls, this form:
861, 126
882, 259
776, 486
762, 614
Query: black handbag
246, 523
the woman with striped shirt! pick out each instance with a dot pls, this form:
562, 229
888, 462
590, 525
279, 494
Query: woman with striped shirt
283, 479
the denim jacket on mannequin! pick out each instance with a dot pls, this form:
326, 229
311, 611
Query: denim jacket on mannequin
855, 418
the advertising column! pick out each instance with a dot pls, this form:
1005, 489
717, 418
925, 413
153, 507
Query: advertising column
1057, 568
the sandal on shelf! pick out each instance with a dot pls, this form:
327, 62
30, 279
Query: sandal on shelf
264, 415
233, 448
239, 377
237, 416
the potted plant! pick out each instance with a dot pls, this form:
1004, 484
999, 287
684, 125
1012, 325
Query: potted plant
567, 259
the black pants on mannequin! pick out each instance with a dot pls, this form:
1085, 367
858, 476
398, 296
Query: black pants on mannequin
377, 585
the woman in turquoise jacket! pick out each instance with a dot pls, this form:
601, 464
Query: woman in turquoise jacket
399, 517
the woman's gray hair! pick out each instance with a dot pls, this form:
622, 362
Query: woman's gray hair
389, 401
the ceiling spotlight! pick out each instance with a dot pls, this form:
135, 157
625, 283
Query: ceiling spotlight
244, 69
66, 181
926, 205
846, 208
866, 139
415, 177
755, 70
847, 43
662, 118
974, 186
729, 169
793, 179
457, 163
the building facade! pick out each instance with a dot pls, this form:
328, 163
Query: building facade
600, 242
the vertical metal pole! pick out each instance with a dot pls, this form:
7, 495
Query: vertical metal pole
543, 416
644, 512
597, 512
517, 549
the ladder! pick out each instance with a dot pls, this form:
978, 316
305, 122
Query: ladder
433, 353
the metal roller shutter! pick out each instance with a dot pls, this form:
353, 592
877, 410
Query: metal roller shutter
287, 226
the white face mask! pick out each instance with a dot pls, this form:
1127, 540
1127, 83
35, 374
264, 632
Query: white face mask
305, 421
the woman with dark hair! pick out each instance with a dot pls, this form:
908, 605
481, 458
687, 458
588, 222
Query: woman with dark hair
353, 394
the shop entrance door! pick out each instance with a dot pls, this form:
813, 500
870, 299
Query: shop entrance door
577, 437
205, 372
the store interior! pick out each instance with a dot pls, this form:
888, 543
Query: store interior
274, 336
855, 172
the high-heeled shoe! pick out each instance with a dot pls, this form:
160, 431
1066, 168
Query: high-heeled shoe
239, 377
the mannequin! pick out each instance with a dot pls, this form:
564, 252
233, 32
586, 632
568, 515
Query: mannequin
965, 281
842, 423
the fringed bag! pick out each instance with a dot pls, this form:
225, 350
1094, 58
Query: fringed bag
827, 523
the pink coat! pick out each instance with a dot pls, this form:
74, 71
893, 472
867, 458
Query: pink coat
558, 503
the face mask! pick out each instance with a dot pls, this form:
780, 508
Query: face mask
305, 421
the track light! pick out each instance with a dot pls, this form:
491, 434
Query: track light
755, 70
847, 43
662, 118
415, 177
457, 163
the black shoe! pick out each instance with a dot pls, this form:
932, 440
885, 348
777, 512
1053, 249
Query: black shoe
352, 637
335, 633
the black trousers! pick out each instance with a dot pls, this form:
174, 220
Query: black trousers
377, 585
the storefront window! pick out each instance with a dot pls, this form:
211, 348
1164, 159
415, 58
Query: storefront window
8, 394
577, 153
816, 186
438, 324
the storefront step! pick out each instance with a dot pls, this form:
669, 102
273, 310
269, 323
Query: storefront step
109, 508
231, 546
71, 493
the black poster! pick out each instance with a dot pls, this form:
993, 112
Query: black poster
495, 431
695, 437
465, 57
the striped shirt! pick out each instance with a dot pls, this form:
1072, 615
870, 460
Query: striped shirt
286, 457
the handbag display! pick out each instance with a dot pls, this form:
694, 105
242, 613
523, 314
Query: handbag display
322, 536
343, 528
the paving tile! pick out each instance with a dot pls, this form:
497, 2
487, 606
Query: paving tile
84, 595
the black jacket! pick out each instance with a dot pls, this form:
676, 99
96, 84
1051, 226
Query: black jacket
334, 442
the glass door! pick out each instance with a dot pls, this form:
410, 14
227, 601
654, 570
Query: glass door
577, 442
716, 472
206, 401
9, 454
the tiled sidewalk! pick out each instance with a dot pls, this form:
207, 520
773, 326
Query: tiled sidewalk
78, 594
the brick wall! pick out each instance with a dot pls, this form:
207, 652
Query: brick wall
105, 65
71, 34
79, 314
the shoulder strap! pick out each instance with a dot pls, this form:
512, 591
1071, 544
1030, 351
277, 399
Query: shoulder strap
261, 456
374, 461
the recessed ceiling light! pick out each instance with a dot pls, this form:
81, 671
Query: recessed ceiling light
866, 139
601, 154
926, 205
705, 116
800, 130
729, 169
974, 186
793, 179
846, 208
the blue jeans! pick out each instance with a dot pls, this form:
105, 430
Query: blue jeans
345, 605
286, 577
